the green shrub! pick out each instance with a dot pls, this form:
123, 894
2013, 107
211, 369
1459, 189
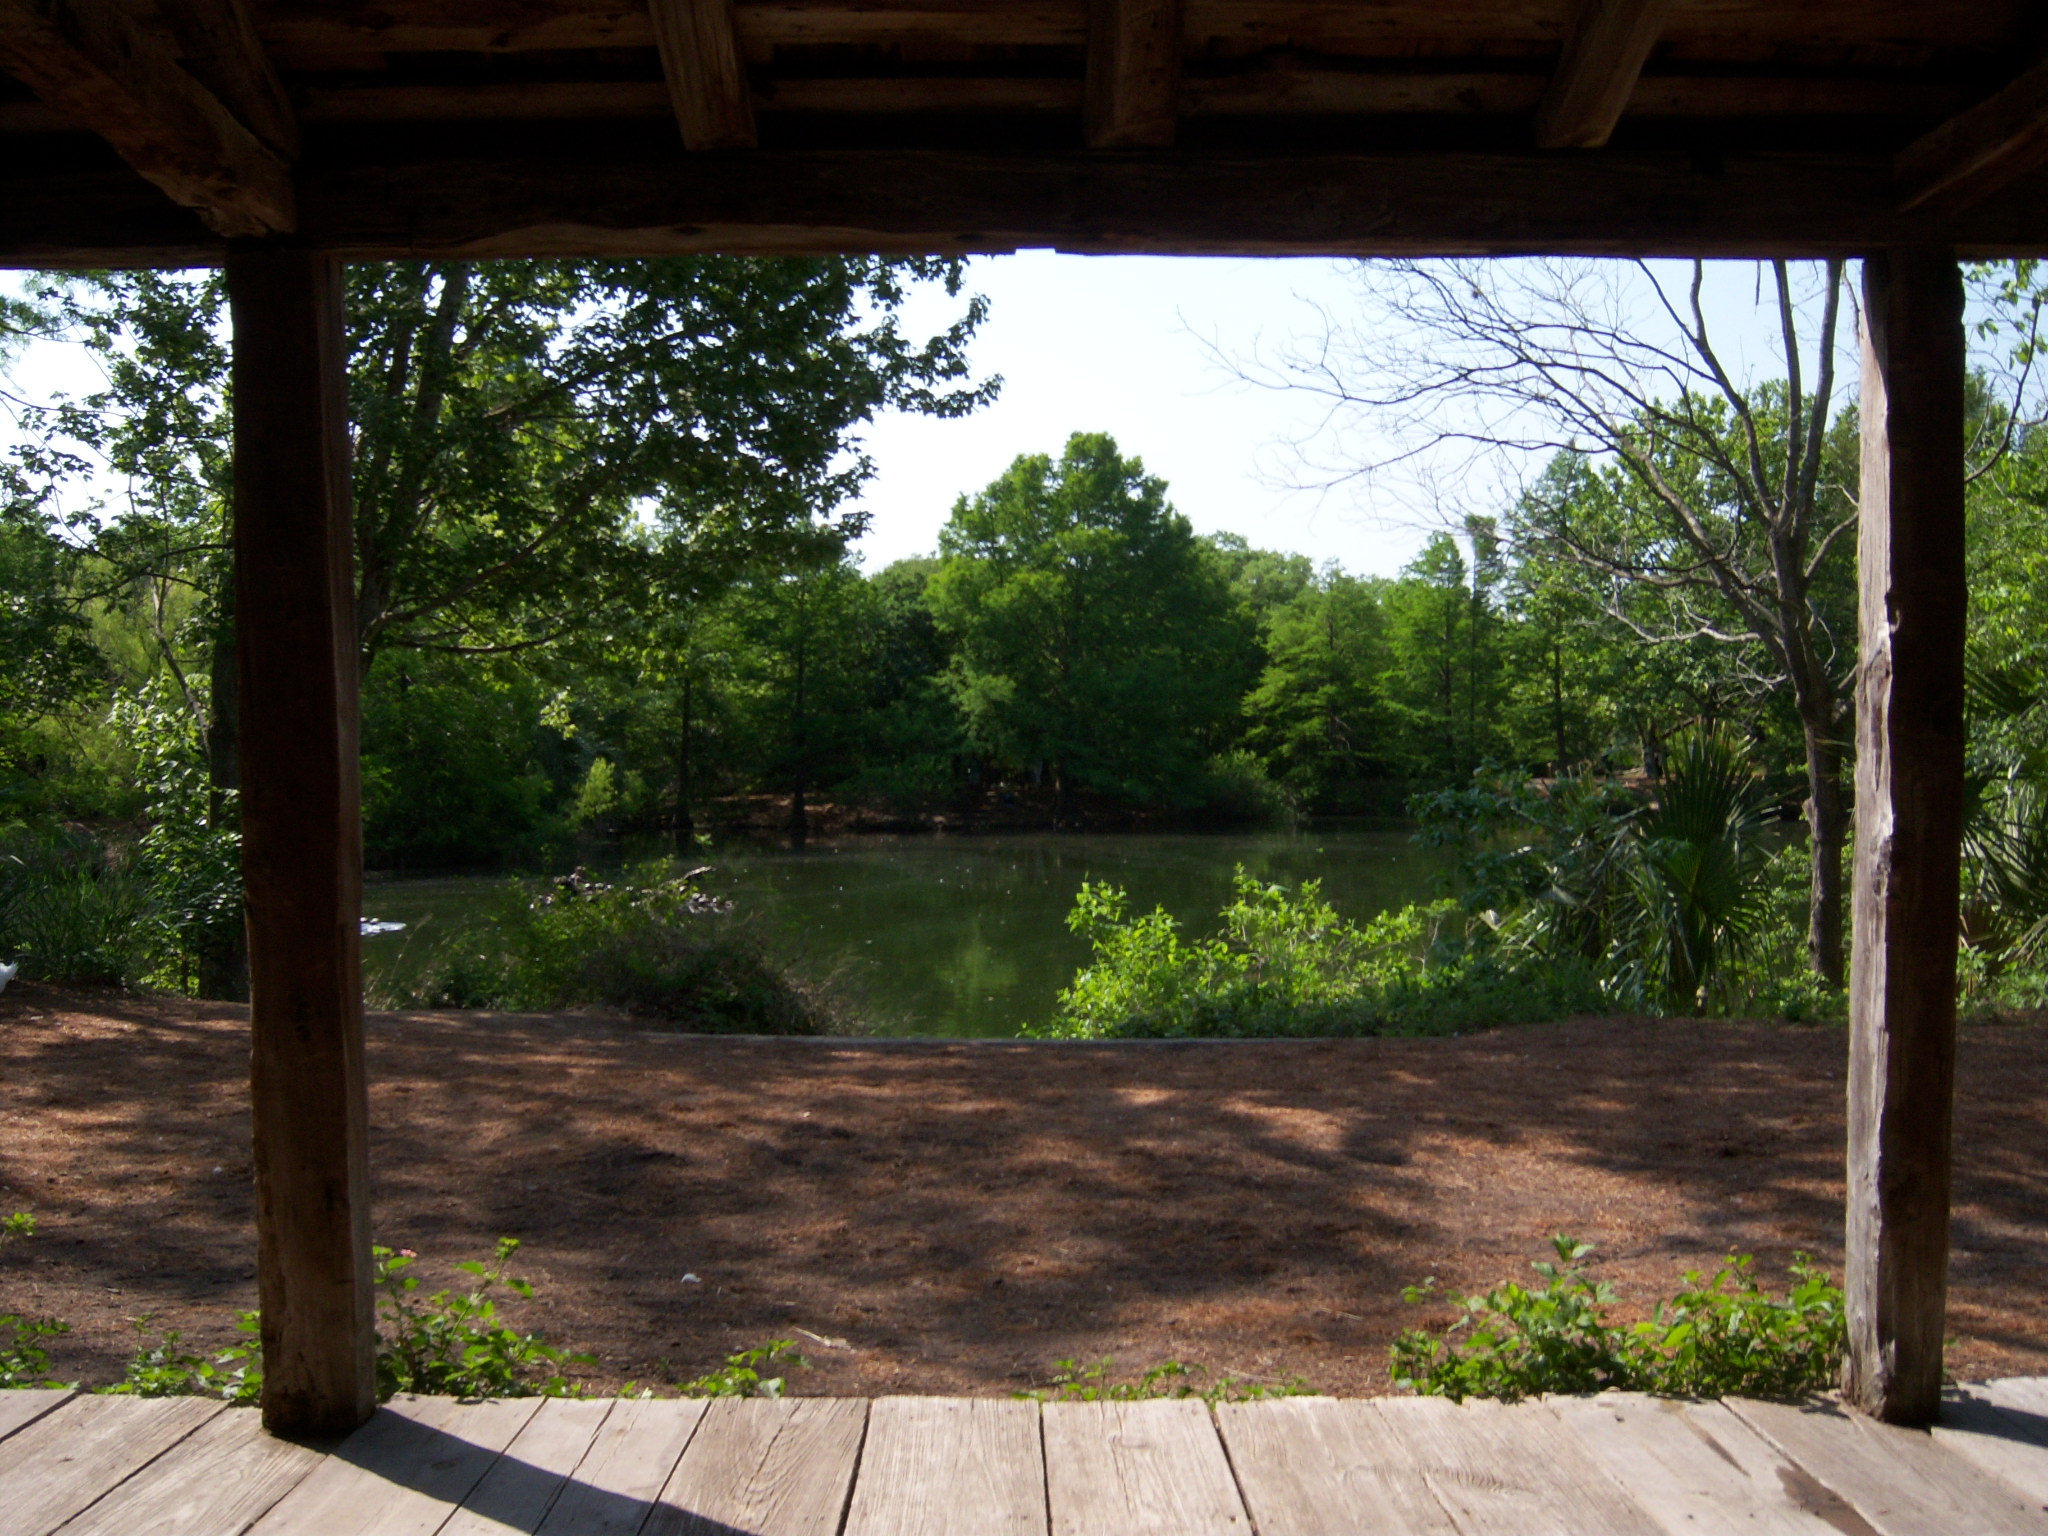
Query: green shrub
1073, 1382
162, 1367
741, 1376
1717, 1337
1235, 787
23, 1360
71, 909
1284, 963
454, 1343
658, 947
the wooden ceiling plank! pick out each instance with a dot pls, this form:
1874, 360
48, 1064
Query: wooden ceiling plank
707, 80
1602, 61
1980, 150
1132, 93
89, 60
220, 48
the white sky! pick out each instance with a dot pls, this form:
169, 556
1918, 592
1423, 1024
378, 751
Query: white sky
1122, 344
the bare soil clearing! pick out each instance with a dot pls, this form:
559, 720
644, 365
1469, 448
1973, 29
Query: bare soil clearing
954, 1217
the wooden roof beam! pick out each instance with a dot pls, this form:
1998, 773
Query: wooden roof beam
707, 81
1132, 96
220, 49
1979, 150
89, 59
1602, 60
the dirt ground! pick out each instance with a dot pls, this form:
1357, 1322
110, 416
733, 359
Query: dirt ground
942, 1217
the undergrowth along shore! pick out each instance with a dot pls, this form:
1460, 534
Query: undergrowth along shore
1716, 1337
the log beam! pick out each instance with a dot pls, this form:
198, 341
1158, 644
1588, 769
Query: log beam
302, 861
1131, 98
219, 48
1909, 819
1602, 60
1978, 151
91, 61
707, 79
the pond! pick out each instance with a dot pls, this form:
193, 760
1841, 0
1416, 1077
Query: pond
961, 936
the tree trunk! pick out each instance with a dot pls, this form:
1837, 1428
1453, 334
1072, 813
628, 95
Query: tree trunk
224, 951
1826, 827
685, 828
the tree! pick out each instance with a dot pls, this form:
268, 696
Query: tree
1735, 497
1093, 632
1319, 714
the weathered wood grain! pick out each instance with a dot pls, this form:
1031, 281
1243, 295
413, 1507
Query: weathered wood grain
92, 61
950, 1466
1897, 1480
773, 1468
1508, 1472
1317, 1466
24, 1405
524, 1482
1609, 44
1696, 1467
302, 845
65, 1460
1132, 92
707, 80
1147, 1468
625, 1469
402, 1474
218, 46
217, 1481
1909, 826
2010, 1444
1978, 151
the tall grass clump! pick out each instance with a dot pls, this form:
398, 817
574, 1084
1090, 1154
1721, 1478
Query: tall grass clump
654, 945
73, 909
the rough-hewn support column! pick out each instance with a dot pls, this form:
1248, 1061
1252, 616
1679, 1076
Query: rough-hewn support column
1909, 792
302, 839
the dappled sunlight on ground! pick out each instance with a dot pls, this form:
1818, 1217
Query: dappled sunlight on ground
956, 1216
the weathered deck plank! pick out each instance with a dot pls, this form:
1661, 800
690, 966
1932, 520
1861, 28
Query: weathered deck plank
402, 1474
767, 1468
1318, 1466
950, 1466
2009, 1443
24, 1405
1898, 1480
218, 1481
67, 1459
523, 1483
625, 1469
1511, 1471
1696, 1467
1151, 1468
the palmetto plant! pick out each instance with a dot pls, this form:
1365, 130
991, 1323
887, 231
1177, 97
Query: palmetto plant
1700, 856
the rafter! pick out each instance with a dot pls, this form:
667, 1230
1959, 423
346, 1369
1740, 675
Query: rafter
91, 61
1980, 150
1132, 96
707, 80
218, 45
1602, 60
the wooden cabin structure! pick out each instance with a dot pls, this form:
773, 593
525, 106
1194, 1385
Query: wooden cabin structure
282, 137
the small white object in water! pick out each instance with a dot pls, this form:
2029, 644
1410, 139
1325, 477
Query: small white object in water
379, 925
7, 975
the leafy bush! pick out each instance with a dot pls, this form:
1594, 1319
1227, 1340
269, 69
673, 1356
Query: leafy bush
71, 909
1284, 963
1717, 1337
657, 946
23, 1360
454, 1343
1235, 787
1073, 1382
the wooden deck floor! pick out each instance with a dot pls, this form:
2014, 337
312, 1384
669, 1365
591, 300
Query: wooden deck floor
907, 1466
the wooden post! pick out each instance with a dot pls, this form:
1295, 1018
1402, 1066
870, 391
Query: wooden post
1909, 793
302, 839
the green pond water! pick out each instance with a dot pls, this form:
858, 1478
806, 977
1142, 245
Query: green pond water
962, 936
